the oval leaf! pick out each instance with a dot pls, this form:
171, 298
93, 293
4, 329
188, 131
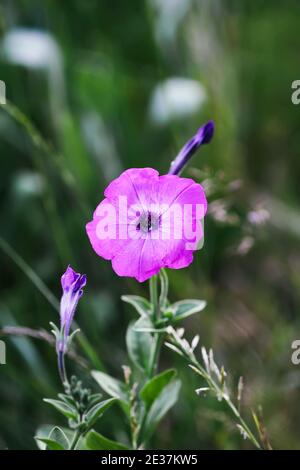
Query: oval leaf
185, 308
142, 305
113, 387
95, 441
154, 387
58, 435
97, 411
139, 346
62, 407
44, 431
50, 444
161, 406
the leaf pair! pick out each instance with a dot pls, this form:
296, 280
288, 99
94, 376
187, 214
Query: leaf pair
68, 409
53, 439
170, 314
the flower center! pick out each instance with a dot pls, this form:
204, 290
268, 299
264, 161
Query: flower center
148, 222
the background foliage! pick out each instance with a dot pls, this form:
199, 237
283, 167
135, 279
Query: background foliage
84, 87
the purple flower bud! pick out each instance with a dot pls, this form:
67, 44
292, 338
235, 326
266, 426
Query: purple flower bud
203, 136
72, 284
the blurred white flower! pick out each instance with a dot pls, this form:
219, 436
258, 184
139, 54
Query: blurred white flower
167, 16
28, 183
31, 48
37, 50
176, 98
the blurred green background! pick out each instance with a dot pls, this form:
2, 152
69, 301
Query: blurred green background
98, 86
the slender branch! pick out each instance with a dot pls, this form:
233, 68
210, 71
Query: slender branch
43, 335
220, 392
182, 347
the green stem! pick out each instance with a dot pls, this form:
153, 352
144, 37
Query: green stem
164, 287
153, 363
75, 440
133, 420
158, 339
155, 316
154, 298
62, 370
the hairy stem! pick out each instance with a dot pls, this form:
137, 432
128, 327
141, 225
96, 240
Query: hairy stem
62, 370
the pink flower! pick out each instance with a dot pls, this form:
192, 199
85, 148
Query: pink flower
147, 222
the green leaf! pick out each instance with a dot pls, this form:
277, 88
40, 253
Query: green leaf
58, 435
50, 444
145, 325
95, 441
97, 411
63, 408
139, 346
72, 336
142, 305
94, 399
185, 308
55, 331
160, 407
155, 386
56, 439
113, 387
44, 431
67, 399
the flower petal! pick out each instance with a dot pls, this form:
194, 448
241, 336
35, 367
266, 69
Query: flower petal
136, 184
